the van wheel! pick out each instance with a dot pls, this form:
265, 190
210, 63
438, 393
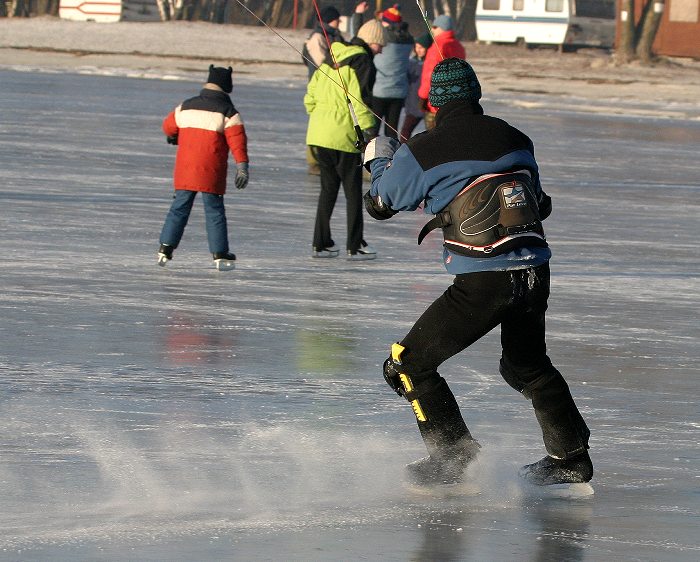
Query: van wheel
520, 42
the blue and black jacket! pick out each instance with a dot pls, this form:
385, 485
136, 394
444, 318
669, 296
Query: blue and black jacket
433, 167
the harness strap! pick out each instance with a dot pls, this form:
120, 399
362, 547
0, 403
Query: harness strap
440, 220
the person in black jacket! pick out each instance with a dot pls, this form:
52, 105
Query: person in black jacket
316, 46
478, 175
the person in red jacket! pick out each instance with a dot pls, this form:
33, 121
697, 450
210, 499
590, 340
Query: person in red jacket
205, 128
445, 46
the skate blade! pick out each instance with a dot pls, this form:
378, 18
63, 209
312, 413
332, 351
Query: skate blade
362, 257
444, 491
325, 255
224, 265
163, 260
563, 491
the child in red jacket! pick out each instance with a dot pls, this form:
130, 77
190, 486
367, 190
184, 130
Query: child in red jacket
445, 46
205, 128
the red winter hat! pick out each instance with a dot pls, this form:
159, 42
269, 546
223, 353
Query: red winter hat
392, 15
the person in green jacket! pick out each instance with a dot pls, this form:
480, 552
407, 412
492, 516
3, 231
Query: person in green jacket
332, 138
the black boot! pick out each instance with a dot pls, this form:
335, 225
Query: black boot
550, 470
449, 443
446, 436
564, 432
444, 469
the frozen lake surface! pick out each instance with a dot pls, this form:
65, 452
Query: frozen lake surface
190, 414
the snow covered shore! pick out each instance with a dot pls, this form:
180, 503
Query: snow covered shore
181, 50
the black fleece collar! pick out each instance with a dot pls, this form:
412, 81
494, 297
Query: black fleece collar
457, 108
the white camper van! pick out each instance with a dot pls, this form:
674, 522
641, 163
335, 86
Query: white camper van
567, 23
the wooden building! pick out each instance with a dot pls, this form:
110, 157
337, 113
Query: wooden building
679, 32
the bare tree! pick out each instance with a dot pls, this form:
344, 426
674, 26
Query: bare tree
462, 12
637, 38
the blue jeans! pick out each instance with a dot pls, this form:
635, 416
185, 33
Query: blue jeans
179, 214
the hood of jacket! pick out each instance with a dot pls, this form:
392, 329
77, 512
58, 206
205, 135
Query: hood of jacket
344, 52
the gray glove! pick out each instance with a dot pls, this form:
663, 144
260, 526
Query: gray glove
380, 147
241, 175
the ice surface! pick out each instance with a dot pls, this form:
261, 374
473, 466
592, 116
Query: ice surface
183, 413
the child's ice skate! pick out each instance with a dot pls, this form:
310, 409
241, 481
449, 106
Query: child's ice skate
224, 261
165, 254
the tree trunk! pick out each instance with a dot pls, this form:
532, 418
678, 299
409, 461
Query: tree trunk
307, 17
651, 18
467, 20
164, 10
628, 40
277, 14
20, 8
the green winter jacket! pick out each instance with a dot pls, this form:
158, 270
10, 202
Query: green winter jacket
330, 123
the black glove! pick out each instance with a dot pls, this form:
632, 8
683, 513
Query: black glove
241, 175
376, 208
171, 139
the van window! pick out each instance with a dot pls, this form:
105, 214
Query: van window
492, 4
595, 9
554, 5
518, 5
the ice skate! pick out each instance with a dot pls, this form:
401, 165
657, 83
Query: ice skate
331, 251
224, 261
447, 468
441, 478
430, 471
364, 252
165, 254
561, 477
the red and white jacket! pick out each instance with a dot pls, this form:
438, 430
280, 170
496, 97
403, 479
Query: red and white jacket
207, 127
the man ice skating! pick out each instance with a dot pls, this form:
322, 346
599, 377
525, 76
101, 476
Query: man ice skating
205, 128
478, 176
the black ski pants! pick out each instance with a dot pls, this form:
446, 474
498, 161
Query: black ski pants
473, 306
389, 110
338, 167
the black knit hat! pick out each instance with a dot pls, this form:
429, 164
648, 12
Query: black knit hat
221, 77
329, 14
425, 40
453, 79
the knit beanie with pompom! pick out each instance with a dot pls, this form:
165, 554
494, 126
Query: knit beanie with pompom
392, 15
